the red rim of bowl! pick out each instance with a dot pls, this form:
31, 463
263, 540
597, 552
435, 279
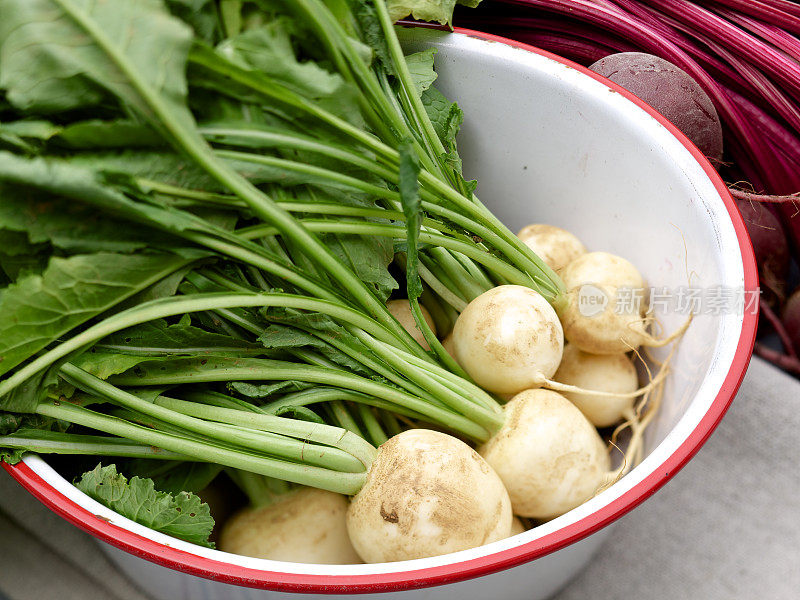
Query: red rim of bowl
381, 582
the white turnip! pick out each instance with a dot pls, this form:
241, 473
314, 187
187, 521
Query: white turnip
508, 339
606, 305
306, 525
605, 313
555, 246
427, 494
549, 456
613, 373
517, 526
448, 344
401, 310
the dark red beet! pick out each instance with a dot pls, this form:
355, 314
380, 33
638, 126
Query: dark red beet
671, 92
791, 319
770, 245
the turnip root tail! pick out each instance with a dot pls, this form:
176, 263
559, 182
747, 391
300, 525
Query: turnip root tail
637, 420
654, 382
632, 455
561, 387
654, 342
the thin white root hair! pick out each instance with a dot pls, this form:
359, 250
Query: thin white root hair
654, 381
637, 420
659, 343
563, 387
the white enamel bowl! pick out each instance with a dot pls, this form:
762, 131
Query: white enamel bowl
549, 142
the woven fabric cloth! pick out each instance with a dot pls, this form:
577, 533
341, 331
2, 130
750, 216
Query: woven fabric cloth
726, 527
42, 557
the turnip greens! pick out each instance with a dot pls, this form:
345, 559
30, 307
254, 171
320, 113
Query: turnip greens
204, 207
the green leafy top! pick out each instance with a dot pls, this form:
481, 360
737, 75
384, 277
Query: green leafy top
423, 10
38, 309
420, 64
182, 515
409, 196
427, 10
52, 66
148, 264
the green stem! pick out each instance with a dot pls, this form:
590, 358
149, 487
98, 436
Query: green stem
470, 289
410, 97
480, 256
441, 318
357, 70
412, 374
138, 418
341, 210
342, 483
230, 12
483, 232
459, 384
341, 344
222, 401
258, 257
313, 173
497, 235
376, 433
433, 342
298, 234
319, 395
87, 445
475, 271
390, 423
178, 305
374, 365
272, 370
260, 441
453, 398
441, 288
174, 191
343, 418
537, 268
281, 139
260, 491
334, 437
257, 277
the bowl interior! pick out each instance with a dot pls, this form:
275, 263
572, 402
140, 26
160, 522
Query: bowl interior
550, 144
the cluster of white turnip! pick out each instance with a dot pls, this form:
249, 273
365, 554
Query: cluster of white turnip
561, 375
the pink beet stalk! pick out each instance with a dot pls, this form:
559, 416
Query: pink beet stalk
771, 34
787, 14
785, 70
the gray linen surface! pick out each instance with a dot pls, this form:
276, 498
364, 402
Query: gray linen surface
727, 526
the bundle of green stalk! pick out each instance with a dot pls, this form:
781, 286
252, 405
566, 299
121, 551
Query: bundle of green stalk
204, 209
